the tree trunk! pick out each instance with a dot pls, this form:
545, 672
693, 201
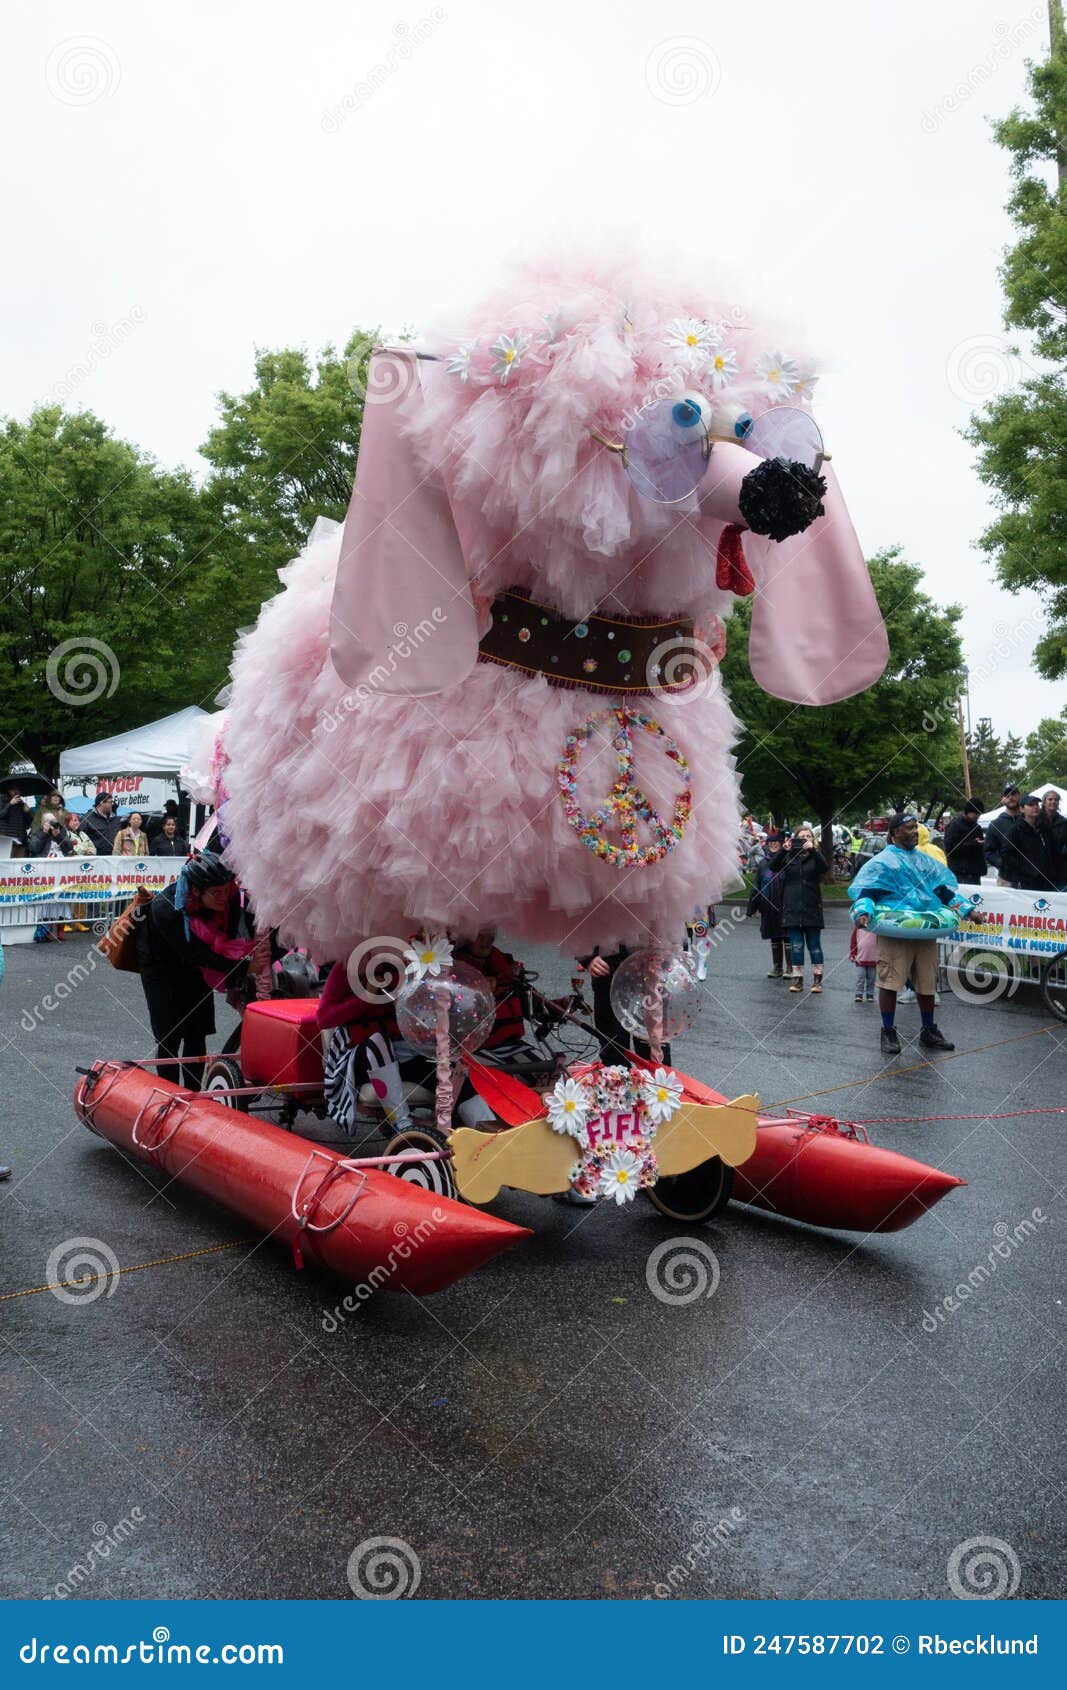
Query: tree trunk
827, 842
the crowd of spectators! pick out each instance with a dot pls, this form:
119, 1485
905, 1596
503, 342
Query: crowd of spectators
49, 829
1025, 844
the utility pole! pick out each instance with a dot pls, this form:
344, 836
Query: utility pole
963, 748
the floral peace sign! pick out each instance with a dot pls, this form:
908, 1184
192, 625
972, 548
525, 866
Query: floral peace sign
626, 805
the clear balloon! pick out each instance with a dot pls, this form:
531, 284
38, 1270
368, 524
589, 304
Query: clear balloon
468, 1002
656, 995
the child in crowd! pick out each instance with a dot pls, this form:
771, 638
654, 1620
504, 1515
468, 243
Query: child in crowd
863, 949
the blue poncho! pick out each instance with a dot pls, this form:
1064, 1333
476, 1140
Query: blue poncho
906, 880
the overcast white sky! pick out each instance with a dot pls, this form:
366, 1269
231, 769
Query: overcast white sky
184, 184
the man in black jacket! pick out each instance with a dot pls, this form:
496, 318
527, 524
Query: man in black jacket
965, 844
1030, 858
101, 823
999, 830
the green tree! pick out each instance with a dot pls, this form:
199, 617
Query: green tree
1046, 752
1022, 435
993, 762
118, 600
284, 453
898, 740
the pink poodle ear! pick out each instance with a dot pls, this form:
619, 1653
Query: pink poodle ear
817, 632
402, 620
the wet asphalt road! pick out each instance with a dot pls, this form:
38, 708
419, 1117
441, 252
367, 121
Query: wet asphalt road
548, 1427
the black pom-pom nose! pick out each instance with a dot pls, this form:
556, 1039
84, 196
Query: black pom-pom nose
779, 498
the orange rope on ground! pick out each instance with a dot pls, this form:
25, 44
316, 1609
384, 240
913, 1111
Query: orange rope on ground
910, 1068
138, 1267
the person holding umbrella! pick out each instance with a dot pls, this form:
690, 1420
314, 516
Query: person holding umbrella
16, 806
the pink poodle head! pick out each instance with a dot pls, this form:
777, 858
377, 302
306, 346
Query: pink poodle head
494, 463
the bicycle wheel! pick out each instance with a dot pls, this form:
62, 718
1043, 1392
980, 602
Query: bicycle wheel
1054, 985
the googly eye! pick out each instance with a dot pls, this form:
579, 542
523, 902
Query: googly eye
732, 422
690, 415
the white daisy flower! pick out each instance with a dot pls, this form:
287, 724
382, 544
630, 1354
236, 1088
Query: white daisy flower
568, 1107
428, 956
459, 364
507, 351
778, 375
620, 1176
723, 369
662, 1093
694, 339
805, 388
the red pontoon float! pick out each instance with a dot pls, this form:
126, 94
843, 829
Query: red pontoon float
349, 1216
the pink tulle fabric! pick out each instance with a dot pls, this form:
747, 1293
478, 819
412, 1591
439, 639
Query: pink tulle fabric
363, 816
356, 818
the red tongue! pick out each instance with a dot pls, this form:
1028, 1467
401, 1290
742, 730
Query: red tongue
732, 574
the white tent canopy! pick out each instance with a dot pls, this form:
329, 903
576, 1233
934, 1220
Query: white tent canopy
158, 748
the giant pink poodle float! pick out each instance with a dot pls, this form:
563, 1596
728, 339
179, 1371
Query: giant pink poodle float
490, 697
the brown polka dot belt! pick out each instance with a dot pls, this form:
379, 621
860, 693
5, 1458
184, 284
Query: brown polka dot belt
616, 654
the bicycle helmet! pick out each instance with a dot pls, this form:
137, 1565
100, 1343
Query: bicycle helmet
208, 869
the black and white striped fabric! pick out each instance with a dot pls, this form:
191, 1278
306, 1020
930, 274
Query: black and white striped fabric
347, 1067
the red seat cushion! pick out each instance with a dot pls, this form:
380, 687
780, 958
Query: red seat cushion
280, 1043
